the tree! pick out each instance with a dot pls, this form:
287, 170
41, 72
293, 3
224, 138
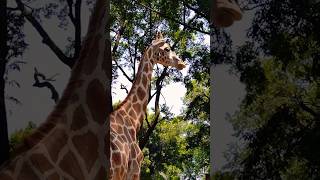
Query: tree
144, 17
11, 47
183, 24
133, 27
279, 117
4, 143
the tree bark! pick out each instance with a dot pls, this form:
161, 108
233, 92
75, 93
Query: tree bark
108, 56
4, 141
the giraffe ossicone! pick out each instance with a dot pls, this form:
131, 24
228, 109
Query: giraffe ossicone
125, 121
225, 12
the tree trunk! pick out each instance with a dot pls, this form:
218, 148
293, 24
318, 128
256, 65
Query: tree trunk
4, 142
108, 56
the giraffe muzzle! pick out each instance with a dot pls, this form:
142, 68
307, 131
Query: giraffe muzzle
181, 65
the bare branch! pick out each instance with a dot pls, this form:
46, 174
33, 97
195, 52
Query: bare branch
115, 47
124, 87
77, 33
118, 37
70, 3
150, 97
45, 37
165, 101
147, 120
196, 11
304, 107
44, 82
308, 109
145, 138
12, 9
123, 72
248, 8
176, 21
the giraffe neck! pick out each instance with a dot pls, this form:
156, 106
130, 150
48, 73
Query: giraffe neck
136, 102
85, 90
72, 143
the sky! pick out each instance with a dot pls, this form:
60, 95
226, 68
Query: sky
36, 102
227, 93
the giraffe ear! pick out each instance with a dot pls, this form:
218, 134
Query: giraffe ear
160, 35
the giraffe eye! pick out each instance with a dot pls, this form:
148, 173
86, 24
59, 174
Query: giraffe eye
167, 49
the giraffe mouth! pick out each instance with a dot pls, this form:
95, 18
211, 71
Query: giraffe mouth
181, 65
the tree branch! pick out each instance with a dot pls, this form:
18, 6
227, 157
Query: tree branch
77, 25
70, 14
150, 97
247, 8
45, 37
146, 137
45, 83
176, 21
196, 11
308, 109
12, 9
147, 120
115, 47
118, 37
124, 87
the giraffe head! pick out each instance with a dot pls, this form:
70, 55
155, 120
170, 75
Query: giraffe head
162, 54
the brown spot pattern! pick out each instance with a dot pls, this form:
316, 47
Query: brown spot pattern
132, 113
118, 144
149, 54
132, 133
119, 119
54, 145
97, 101
79, 119
127, 134
87, 146
141, 93
116, 158
137, 108
97, 16
134, 99
70, 165
122, 113
144, 80
144, 106
5, 177
41, 162
54, 176
137, 81
27, 173
92, 56
146, 67
117, 128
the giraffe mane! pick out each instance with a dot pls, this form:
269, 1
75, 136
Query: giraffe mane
135, 79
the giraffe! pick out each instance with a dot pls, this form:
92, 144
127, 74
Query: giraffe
225, 12
73, 142
126, 120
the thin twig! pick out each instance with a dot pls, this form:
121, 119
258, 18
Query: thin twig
177, 21
124, 87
